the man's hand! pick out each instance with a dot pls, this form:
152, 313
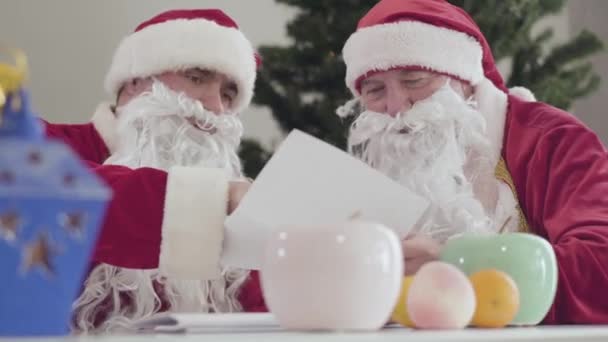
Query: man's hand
417, 251
236, 192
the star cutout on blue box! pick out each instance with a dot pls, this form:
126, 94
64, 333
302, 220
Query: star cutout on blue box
34, 157
9, 225
74, 223
6, 177
38, 253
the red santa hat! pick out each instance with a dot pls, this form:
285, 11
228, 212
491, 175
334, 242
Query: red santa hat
431, 35
181, 39
419, 34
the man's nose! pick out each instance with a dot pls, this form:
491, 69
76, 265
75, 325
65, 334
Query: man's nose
211, 97
397, 101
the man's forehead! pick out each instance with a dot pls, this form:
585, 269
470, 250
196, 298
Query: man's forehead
378, 76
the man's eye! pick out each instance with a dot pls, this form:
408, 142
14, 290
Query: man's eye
413, 81
416, 82
373, 91
228, 97
195, 79
198, 77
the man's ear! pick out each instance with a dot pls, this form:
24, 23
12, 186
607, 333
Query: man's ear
132, 89
467, 89
463, 88
136, 86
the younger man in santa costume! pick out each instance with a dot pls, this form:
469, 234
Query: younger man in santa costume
434, 114
167, 148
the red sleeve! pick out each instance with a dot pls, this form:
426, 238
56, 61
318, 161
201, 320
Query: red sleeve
173, 221
82, 138
563, 188
251, 296
131, 232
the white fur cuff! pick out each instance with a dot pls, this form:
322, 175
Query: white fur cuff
193, 224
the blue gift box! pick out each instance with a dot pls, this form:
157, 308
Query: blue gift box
51, 209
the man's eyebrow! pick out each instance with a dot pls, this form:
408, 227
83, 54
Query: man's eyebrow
369, 81
201, 71
415, 72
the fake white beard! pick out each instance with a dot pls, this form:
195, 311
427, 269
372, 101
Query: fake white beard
154, 133
124, 296
428, 149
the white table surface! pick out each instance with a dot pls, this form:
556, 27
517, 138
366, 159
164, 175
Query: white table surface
557, 333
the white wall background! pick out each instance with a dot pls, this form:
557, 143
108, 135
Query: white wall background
592, 14
70, 43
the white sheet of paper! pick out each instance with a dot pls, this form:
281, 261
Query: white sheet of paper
310, 182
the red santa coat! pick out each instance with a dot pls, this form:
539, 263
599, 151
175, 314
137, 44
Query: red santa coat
560, 171
559, 168
137, 231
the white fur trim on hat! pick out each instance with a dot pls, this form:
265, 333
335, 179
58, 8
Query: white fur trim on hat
412, 43
193, 224
104, 120
181, 44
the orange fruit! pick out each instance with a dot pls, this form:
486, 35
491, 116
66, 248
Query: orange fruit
497, 298
400, 314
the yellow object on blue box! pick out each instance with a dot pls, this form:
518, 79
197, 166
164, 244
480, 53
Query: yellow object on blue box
51, 210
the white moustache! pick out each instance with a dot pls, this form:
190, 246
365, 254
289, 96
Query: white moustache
162, 128
162, 102
425, 149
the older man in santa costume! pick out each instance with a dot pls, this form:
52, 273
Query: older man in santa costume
167, 148
434, 114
